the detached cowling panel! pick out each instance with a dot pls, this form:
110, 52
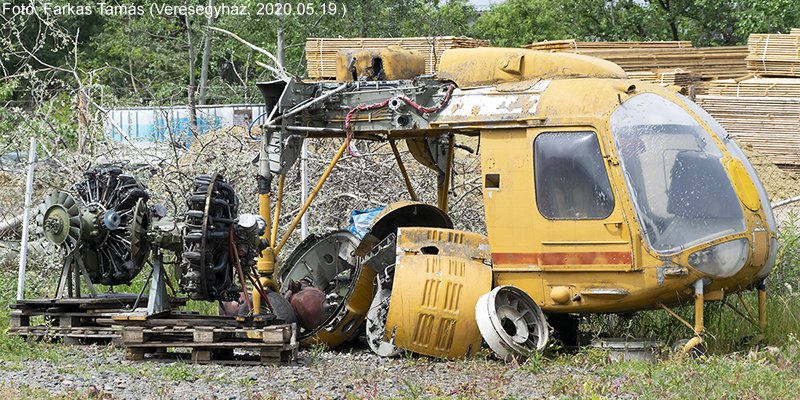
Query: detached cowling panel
435, 290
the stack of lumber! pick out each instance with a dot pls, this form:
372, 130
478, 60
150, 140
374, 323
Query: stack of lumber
677, 77
762, 111
774, 54
771, 125
321, 52
794, 31
704, 62
570, 45
754, 87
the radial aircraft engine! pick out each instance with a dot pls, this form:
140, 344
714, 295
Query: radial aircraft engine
106, 234
602, 194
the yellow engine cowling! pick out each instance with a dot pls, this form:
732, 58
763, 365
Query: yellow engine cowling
438, 278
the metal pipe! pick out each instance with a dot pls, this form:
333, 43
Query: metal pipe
302, 107
304, 187
448, 173
699, 325
278, 201
312, 195
762, 310
785, 202
306, 129
403, 171
23, 250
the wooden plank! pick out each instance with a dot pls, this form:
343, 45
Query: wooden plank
135, 353
774, 54
205, 335
133, 334
18, 319
769, 124
636, 57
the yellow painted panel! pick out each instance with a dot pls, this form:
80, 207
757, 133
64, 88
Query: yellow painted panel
432, 310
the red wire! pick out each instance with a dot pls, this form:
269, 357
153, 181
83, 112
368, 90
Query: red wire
366, 107
232, 260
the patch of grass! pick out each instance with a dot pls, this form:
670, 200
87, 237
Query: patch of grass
26, 392
769, 374
411, 390
180, 371
316, 351
17, 349
139, 370
533, 364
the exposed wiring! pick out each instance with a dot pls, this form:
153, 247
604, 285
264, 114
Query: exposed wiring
250, 126
296, 109
430, 110
365, 107
347, 120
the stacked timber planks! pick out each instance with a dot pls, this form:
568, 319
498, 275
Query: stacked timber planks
703, 62
761, 110
677, 77
754, 87
770, 125
794, 31
774, 54
321, 53
570, 45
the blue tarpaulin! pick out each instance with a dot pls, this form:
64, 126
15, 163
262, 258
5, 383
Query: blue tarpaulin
360, 220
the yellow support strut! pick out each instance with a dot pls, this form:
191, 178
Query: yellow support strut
762, 310
699, 324
403, 171
278, 202
311, 196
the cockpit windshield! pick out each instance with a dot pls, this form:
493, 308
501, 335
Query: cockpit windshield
680, 190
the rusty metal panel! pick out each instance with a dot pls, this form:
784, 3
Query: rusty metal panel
391, 63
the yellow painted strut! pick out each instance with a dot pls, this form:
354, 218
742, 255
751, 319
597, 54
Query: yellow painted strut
312, 195
403, 171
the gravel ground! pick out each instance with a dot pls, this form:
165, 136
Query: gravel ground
100, 372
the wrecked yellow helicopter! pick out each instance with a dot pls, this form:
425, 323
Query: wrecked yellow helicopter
602, 195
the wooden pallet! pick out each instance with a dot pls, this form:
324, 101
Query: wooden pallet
71, 328
209, 341
72, 320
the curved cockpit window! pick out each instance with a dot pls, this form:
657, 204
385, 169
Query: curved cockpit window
680, 190
736, 152
570, 176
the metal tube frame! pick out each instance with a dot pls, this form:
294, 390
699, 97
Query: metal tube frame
444, 190
311, 196
273, 236
403, 171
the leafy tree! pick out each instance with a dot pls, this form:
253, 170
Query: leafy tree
518, 22
767, 16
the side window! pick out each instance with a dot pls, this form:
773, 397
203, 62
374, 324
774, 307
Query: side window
571, 180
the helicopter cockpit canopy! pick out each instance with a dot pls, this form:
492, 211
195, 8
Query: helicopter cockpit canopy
680, 189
